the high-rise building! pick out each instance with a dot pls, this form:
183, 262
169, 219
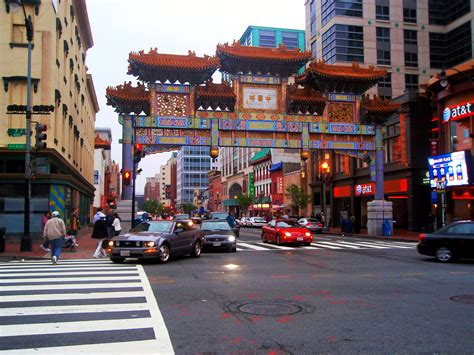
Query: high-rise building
411, 39
165, 180
192, 167
152, 188
62, 172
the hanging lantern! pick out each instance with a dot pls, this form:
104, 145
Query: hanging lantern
304, 155
214, 152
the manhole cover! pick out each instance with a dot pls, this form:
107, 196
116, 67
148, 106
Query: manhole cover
276, 308
468, 299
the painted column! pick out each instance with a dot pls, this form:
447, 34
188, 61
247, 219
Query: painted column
379, 158
127, 158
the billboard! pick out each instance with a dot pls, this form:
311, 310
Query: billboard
450, 169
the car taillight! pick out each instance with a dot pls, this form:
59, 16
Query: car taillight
421, 237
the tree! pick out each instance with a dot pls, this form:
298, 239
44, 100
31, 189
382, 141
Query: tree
299, 199
188, 207
153, 207
244, 201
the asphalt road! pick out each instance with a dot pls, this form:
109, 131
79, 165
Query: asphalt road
339, 295
309, 301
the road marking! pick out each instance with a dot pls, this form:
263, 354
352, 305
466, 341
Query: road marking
40, 287
275, 246
251, 246
324, 246
67, 296
364, 245
40, 280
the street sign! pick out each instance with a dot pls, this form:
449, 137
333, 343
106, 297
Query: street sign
16, 132
16, 146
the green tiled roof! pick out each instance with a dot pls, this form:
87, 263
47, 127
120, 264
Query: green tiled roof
260, 155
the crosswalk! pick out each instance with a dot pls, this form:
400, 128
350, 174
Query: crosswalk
327, 244
79, 306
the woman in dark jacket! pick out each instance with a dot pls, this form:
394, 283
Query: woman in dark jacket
100, 233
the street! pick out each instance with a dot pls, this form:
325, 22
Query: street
340, 295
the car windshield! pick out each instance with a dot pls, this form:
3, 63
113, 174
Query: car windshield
312, 220
286, 224
259, 219
215, 225
180, 217
154, 226
219, 215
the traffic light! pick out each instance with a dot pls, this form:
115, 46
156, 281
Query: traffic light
138, 152
325, 168
40, 136
127, 178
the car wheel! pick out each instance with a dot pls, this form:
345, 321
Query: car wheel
307, 244
278, 240
117, 260
196, 252
164, 253
263, 238
233, 249
444, 254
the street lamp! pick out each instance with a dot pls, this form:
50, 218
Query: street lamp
26, 240
325, 170
443, 78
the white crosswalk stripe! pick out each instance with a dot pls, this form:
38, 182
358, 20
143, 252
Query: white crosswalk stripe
76, 301
320, 244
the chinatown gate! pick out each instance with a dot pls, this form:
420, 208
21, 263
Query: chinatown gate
255, 106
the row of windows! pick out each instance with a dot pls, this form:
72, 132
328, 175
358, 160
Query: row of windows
343, 43
452, 48
443, 12
267, 38
331, 8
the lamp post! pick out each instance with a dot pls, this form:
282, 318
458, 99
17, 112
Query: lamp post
26, 239
325, 171
443, 78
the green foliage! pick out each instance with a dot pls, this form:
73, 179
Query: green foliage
299, 199
188, 207
244, 201
153, 206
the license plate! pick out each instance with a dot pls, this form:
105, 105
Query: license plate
124, 252
299, 239
216, 244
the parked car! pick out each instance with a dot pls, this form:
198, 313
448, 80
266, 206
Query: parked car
216, 233
455, 241
313, 224
256, 222
159, 240
181, 217
286, 231
244, 221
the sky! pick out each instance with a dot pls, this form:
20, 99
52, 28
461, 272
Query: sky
122, 26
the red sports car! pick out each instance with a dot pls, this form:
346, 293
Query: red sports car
285, 231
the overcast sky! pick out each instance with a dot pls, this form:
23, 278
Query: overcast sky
121, 26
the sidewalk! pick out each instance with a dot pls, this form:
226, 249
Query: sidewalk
85, 250
399, 234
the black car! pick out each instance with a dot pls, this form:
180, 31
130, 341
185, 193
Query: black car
448, 243
158, 240
217, 233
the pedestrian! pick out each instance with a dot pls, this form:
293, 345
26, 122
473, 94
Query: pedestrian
109, 218
97, 215
55, 231
100, 233
231, 220
44, 220
116, 224
74, 226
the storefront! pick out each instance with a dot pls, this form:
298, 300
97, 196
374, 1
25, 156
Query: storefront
396, 191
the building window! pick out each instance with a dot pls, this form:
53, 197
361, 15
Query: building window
18, 34
313, 48
383, 34
409, 15
343, 43
411, 59
384, 88
382, 10
443, 12
331, 8
438, 47
410, 37
267, 38
393, 150
312, 16
290, 39
411, 81
383, 57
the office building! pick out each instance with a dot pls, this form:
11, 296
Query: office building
62, 176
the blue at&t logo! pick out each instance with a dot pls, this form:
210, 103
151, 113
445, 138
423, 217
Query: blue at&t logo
358, 190
446, 114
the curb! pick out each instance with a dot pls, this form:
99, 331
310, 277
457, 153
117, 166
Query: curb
20, 258
379, 237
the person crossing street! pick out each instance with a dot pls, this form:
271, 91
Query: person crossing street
55, 231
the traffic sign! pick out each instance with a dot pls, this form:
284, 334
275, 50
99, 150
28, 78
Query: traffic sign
16, 146
16, 132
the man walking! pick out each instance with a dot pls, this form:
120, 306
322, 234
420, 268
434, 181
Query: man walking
55, 231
